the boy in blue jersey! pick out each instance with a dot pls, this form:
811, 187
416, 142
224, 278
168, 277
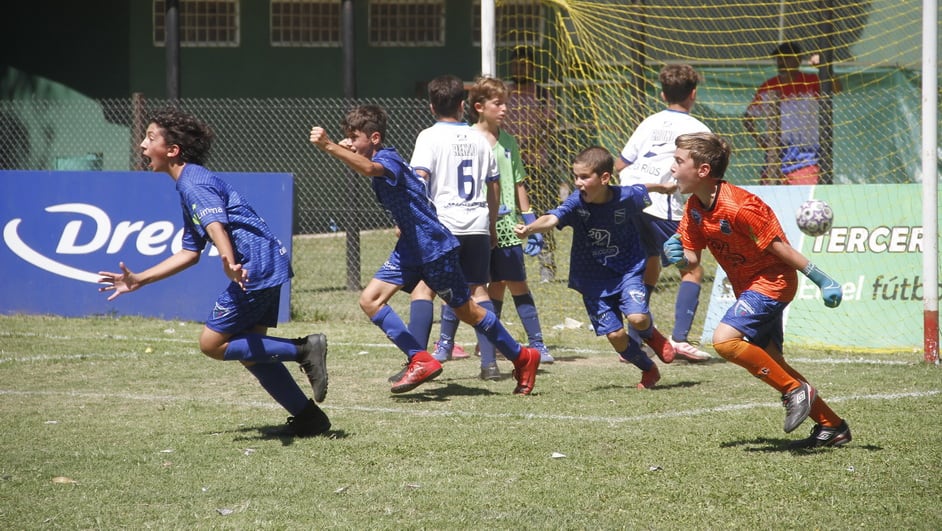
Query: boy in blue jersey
253, 259
425, 251
607, 258
464, 184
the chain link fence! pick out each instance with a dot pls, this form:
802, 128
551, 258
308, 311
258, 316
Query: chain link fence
341, 233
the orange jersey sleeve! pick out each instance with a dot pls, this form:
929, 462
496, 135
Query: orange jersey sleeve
737, 229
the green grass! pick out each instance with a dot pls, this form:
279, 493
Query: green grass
157, 436
151, 434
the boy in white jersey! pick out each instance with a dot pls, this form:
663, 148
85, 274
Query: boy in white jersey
488, 108
647, 158
463, 182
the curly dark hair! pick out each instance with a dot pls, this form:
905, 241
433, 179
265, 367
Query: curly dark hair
194, 137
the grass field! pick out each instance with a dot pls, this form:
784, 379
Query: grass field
123, 424
120, 423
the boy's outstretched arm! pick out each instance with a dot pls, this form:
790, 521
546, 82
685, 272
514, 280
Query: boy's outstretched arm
831, 291
127, 281
344, 153
542, 224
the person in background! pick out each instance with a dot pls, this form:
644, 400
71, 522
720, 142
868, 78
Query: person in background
647, 157
783, 119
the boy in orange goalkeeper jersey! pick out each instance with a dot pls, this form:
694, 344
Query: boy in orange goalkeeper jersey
747, 241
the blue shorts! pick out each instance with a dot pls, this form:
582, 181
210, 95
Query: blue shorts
237, 311
507, 264
607, 313
474, 256
759, 318
444, 276
654, 232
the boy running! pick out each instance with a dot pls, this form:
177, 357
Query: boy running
607, 258
253, 259
425, 251
747, 241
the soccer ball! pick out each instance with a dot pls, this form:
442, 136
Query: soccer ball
814, 217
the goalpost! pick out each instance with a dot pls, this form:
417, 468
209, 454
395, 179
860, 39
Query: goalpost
599, 59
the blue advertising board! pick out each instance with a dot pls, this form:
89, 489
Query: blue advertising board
60, 228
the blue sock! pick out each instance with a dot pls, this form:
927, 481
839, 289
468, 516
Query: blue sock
396, 331
491, 328
635, 356
420, 320
449, 328
260, 349
649, 331
526, 309
688, 298
488, 352
279, 383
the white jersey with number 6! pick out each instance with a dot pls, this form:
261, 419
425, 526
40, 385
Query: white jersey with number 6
459, 161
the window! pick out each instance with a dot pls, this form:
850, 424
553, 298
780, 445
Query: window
305, 22
203, 23
407, 23
518, 22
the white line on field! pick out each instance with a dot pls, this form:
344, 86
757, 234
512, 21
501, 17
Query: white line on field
524, 416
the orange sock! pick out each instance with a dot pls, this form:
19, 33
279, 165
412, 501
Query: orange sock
758, 363
821, 413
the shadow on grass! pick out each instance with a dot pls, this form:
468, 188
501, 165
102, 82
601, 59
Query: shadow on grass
659, 387
776, 445
427, 393
281, 433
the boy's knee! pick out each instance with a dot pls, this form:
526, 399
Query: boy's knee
730, 348
639, 321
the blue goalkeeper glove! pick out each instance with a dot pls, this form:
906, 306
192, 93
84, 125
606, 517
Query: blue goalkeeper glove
503, 210
830, 290
534, 241
674, 251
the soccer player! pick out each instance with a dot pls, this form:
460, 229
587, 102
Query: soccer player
647, 157
253, 259
463, 181
488, 100
747, 241
607, 259
425, 251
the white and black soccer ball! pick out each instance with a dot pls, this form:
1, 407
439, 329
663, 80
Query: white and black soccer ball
814, 217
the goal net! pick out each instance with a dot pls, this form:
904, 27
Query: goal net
594, 64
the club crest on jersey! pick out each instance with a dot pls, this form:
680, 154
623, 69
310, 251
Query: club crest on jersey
620, 216
725, 227
697, 217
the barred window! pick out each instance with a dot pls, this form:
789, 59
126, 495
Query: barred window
518, 22
407, 23
203, 23
305, 23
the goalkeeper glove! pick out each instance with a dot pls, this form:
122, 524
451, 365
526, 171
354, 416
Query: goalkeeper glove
674, 252
830, 290
535, 240
503, 210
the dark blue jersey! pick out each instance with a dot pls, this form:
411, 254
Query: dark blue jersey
606, 246
206, 199
423, 238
